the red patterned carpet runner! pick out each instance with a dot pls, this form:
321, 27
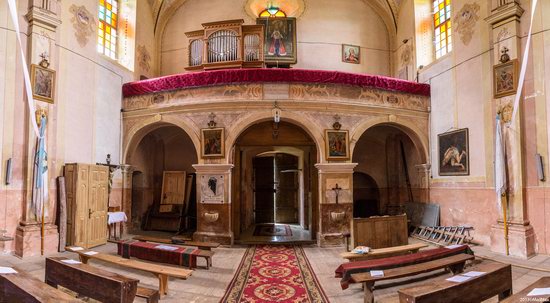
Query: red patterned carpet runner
274, 273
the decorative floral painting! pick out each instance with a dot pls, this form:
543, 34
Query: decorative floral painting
454, 153
337, 144
351, 53
212, 142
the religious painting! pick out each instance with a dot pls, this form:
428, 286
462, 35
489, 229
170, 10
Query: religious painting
337, 144
453, 153
351, 53
505, 80
280, 40
212, 189
43, 83
212, 142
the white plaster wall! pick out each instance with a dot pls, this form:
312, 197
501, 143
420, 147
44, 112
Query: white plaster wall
145, 36
321, 30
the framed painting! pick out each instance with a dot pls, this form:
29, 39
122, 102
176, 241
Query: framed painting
453, 153
212, 189
351, 53
212, 142
337, 144
280, 40
505, 78
43, 83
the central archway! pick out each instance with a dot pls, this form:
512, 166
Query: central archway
274, 181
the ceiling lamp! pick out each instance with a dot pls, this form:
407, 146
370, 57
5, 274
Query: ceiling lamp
272, 10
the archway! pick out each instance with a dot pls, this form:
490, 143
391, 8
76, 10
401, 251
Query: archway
274, 182
366, 196
388, 155
163, 180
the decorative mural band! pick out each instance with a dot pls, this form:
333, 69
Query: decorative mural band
465, 21
83, 24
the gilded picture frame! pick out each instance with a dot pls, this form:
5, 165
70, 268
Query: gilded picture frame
43, 83
505, 79
454, 157
337, 144
213, 142
280, 45
351, 54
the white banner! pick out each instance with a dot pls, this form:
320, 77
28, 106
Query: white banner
500, 163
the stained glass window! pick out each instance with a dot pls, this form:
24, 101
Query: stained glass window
107, 31
272, 12
442, 27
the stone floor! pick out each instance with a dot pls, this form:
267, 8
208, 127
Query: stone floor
298, 235
209, 285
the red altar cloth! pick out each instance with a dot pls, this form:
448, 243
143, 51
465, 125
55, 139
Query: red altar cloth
345, 270
270, 75
148, 251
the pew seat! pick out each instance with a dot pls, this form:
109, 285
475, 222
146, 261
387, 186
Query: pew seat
454, 263
497, 281
180, 241
379, 253
521, 296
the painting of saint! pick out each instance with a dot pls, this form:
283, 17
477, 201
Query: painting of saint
337, 144
505, 79
280, 40
351, 54
212, 142
43, 83
453, 153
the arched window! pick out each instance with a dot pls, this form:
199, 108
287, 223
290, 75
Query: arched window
272, 12
108, 28
442, 27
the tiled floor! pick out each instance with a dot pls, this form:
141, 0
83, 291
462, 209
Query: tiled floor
209, 285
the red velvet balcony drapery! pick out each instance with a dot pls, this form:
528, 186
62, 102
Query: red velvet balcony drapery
270, 75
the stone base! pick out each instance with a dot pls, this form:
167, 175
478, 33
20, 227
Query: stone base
330, 240
521, 240
225, 239
28, 240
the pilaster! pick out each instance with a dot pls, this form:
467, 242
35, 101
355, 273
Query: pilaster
126, 203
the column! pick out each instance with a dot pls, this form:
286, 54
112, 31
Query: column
505, 21
214, 203
126, 204
43, 21
423, 186
335, 202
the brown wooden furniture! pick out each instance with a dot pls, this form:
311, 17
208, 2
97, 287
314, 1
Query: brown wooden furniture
162, 272
379, 232
521, 296
496, 282
87, 193
22, 287
150, 295
454, 263
199, 245
86, 280
226, 44
206, 254
379, 253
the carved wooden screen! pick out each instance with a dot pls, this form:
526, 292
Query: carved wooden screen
195, 52
222, 46
252, 47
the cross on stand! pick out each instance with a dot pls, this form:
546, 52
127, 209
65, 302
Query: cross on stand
337, 191
112, 169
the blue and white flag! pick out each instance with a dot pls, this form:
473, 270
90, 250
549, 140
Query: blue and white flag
500, 163
40, 186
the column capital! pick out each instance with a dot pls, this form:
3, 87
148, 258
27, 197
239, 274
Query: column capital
126, 169
422, 168
335, 168
505, 13
42, 18
212, 168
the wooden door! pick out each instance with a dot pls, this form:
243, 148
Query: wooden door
173, 187
264, 189
287, 188
97, 206
80, 205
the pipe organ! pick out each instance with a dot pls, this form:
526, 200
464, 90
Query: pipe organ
226, 44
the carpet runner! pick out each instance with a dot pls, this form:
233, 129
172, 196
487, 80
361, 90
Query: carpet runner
274, 273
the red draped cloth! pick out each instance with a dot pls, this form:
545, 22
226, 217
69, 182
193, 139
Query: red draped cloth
182, 256
270, 75
345, 270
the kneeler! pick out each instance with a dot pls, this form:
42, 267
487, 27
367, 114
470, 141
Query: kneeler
345, 270
182, 256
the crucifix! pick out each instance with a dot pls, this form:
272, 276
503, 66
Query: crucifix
112, 169
337, 191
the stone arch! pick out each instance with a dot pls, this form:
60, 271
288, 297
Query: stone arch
417, 136
310, 127
142, 128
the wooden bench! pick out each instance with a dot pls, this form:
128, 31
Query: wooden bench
206, 254
180, 241
384, 252
162, 272
522, 295
497, 280
114, 287
454, 263
22, 287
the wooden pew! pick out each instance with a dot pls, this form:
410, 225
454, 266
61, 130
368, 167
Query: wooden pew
114, 287
454, 263
174, 240
206, 254
521, 296
162, 272
378, 253
496, 281
24, 288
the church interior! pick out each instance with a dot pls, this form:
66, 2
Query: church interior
274, 151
